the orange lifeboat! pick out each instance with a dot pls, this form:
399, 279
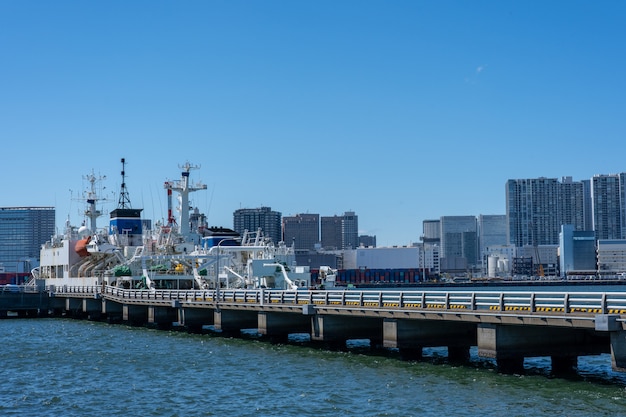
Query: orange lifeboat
81, 247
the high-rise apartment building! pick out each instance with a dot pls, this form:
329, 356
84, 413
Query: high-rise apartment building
608, 205
303, 230
253, 219
572, 203
22, 232
587, 205
622, 198
537, 207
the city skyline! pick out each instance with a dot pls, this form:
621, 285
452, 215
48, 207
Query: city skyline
400, 112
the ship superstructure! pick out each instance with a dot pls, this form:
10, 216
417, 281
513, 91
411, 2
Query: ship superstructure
183, 254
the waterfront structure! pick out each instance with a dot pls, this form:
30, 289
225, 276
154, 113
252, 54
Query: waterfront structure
263, 218
577, 250
611, 257
340, 232
22, 232
608, 205
507, 326
459, 243
303, 230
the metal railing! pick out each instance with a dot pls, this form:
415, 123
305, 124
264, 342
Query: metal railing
506, 302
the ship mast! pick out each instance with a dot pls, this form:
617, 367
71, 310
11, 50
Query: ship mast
124, 199
92, 197
184, 187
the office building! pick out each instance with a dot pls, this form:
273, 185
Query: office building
612, 258
303, 230
431, 232
263, 218
22, 232
577, 251
491, 232
340, 232
367, 241
459, 243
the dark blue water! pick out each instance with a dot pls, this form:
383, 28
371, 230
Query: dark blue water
62, 367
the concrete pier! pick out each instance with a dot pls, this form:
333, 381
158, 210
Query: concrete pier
508, 328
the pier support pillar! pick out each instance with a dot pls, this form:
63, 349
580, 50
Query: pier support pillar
608, 323
163, 317
233, 321
508, 343
74, 306
92, 307
408, 335
135, 314
112, 310
336, 330
564, 365
195, 318
279, 325
618, 350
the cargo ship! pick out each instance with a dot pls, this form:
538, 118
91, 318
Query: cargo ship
181, 254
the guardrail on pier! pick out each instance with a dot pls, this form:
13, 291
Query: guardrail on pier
514, 301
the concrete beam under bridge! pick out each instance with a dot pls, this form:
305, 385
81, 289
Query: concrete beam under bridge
339, 329
411, 336
281, 325
233, 321
509, 345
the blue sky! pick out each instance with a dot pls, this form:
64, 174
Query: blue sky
398, 110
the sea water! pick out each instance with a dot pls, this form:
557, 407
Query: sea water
65, 367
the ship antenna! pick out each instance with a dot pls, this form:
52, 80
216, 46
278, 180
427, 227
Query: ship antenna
124, 201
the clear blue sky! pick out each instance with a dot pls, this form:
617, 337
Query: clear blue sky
398, 110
